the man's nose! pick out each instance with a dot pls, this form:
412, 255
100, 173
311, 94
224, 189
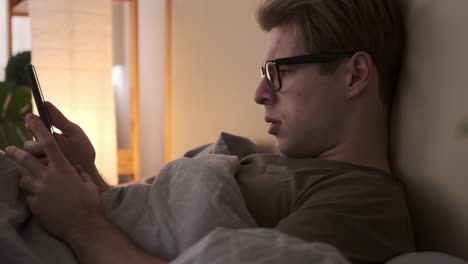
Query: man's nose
263, 94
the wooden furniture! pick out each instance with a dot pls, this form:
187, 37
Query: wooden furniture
129, 159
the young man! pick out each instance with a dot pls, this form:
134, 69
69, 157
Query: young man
331, 67
330, 73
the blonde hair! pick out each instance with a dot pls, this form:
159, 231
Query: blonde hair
373, 26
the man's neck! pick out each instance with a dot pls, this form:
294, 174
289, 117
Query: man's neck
365, 145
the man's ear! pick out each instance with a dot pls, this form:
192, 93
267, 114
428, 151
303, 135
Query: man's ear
360, 69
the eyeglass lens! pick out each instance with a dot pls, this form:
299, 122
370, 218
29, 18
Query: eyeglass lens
272, 75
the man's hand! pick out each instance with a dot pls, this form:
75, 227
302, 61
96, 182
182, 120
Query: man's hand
68, 204
73, 143
55, 192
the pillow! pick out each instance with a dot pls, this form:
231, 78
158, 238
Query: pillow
226, 144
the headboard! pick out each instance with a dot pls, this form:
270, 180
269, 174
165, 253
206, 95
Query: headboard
430, 152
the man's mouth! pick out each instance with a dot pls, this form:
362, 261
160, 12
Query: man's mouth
274, 125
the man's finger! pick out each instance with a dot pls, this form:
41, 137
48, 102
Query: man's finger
78, 168
85, 177
24, 159
59, 120
31, 201
36, 149
45, 138
62, 141
27, 184
33, 147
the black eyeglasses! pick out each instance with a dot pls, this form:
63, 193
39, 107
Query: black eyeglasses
272, 72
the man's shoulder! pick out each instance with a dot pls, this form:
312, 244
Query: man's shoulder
350, 183
306, 172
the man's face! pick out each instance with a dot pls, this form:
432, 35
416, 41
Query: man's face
307, 115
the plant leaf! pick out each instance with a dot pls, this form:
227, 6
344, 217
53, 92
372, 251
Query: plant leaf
20, 103
5, 90
15, 103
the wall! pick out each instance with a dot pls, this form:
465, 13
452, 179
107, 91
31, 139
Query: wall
72, 52
430, 151
217, 50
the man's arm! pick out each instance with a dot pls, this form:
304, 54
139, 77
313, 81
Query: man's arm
100, 242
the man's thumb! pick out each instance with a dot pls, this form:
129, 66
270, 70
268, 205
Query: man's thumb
58, 119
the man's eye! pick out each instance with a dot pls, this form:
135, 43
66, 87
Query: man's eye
284, 72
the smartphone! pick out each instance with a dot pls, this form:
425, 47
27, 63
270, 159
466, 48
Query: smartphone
37, 95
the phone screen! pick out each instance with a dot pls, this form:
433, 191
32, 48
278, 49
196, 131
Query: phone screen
37, 94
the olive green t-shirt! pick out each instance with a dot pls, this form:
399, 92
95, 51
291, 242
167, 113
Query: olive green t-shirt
359, 210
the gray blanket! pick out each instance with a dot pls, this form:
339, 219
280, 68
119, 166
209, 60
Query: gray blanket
193, 212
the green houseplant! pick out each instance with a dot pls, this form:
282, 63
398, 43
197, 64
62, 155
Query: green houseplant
15, 102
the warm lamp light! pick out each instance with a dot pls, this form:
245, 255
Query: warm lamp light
72, 51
